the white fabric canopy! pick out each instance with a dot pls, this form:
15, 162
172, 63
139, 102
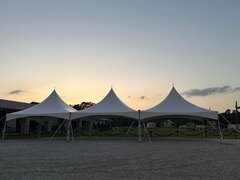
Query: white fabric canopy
175, 104
110, 105
53, 106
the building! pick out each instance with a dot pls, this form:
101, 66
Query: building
168, 124
7, 106
151, 125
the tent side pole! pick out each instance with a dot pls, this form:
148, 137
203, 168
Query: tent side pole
68, 127
57, 130
139, 127
146, 131
130, 127
90, 130
203, 126
4, 129
220, 132
2, 118
230, 123
72, 132
96, 125
40, 130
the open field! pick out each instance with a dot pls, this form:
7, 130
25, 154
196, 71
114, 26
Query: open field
117, 159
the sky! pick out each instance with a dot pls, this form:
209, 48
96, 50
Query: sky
139, 47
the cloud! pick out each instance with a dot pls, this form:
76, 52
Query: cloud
210, 91
15, 92
236, 89
142, 97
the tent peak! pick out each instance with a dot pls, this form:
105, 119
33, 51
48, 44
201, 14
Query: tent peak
52, 106
175, 104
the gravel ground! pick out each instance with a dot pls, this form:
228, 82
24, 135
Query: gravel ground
117, 159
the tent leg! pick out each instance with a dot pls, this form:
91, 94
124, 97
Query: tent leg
90, 130
57, 130
69, 126
139, 128
2, 118
68, 130
230, 124
146, 131
220, 132
130, 127
96, 125
40, 130
72, 132
4, 129
204, 135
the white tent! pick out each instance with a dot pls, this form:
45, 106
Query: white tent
110, 105
53, 106
175, 105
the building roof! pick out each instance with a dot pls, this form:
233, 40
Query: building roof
14, 105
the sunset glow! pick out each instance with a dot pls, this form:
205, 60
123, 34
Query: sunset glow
141, 48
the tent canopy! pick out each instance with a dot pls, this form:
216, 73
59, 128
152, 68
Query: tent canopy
175, 104
110, 105
52, 106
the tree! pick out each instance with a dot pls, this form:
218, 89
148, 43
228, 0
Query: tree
228, 111
83, 105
